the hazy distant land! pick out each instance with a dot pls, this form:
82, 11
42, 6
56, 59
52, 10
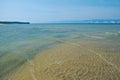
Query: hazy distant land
92, 21
13, 22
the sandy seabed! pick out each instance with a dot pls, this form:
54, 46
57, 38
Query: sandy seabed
82, 60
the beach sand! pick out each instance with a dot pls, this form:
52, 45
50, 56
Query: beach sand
82, 60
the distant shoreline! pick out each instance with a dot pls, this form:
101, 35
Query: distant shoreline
80, 23
14, 22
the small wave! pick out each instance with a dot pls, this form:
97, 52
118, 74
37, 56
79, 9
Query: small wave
98, 37
112, 33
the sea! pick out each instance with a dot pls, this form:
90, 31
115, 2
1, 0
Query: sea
21, 42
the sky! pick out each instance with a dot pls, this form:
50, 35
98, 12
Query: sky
58, 10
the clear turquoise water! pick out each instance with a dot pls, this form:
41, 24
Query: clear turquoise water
35, 37
21, 42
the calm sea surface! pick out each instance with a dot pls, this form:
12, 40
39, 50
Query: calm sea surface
19, 42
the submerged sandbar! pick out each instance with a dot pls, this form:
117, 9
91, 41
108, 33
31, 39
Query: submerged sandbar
70, 61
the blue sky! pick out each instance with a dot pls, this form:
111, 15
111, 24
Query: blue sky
58, 10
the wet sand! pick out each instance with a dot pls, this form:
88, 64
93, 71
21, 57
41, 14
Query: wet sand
82, 60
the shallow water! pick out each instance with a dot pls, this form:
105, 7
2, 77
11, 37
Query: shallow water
19, 43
